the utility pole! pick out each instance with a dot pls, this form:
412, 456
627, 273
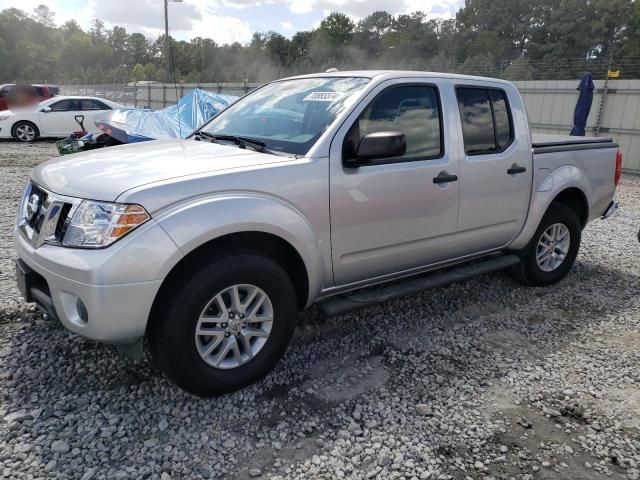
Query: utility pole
167, 45
166, 40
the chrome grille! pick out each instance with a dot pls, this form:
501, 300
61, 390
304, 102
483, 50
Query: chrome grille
44, 215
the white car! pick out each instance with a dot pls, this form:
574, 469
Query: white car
55, 117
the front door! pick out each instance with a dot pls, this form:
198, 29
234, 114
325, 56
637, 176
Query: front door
496, 171
389, 216
60, 121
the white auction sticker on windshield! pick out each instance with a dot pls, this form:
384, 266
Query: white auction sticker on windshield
322, 97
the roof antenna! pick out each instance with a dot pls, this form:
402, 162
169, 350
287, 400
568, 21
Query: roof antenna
331, 70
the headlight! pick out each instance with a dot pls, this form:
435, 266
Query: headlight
4, 117
99, 224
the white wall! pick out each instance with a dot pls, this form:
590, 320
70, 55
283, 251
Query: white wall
550, 105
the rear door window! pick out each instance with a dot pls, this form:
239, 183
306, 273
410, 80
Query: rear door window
486, 120
93, 105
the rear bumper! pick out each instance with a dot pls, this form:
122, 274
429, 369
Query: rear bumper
611, 209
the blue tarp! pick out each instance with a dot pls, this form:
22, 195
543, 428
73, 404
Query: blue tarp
130, 125
583, 107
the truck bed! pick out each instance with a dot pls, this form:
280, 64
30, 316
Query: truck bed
544, 143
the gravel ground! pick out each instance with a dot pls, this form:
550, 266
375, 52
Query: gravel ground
484, 379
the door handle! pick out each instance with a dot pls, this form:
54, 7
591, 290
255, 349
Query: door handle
444, 177
516, 169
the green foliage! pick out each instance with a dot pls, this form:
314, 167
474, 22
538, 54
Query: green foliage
516, 39
519, 69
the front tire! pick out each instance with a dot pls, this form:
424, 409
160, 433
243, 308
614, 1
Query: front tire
25, 132
552, 251
226, 326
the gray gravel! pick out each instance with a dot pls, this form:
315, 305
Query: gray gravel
484, 379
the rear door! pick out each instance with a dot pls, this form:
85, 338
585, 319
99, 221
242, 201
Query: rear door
496, 169
389, 216
91, 109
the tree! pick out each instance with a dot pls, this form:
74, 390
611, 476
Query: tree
97, 29
610, 24
511, 20
370, 30
377, 24
337, 28
43, 15
519, 39
483, 64
277, 47
145, 72
70, 27
519, 69
299, 47
413, 39
137, 49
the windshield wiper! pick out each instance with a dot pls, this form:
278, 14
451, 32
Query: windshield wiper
243, 142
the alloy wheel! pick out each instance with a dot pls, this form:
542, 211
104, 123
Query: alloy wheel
553, 247
234, 326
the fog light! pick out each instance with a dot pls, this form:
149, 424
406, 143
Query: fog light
82, 311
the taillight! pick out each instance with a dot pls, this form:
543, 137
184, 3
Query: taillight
618, 173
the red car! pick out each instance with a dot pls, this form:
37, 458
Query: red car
12, 95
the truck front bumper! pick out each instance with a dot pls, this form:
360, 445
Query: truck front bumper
112, 311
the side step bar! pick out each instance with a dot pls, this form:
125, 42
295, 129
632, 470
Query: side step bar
374, 295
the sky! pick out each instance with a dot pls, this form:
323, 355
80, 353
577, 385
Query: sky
225, 21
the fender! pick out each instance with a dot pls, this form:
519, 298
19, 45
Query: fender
195, 222
549, 187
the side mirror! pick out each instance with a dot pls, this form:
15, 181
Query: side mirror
378, 145
46, 109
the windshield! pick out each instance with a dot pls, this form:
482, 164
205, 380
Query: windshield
288, 116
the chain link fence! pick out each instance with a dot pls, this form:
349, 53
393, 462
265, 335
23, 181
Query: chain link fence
153, 95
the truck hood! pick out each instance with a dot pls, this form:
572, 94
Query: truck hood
106, 173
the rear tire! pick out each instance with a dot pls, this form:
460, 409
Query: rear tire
204, 303
552, 251
25, 132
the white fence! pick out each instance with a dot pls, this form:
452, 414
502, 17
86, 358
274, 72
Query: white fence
550, 104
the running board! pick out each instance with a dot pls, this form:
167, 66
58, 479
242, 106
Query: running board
375, 295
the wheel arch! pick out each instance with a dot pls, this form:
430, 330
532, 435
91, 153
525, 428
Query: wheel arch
566, 185
267, 244
31, 122
574, 198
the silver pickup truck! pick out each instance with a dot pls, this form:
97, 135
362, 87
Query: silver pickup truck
342, 189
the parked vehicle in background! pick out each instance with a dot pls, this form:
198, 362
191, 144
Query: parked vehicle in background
327, 189
17, 96
54, 118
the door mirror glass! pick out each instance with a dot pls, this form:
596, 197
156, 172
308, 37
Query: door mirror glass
377, 145
46, 109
